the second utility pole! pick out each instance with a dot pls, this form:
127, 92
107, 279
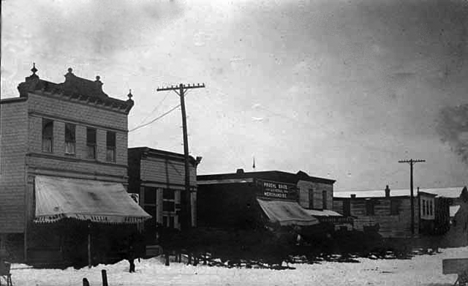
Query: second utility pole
186, 211
411, 162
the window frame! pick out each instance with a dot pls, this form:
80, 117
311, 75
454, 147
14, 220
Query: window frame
70, 128
91, 144
47, 123
111, 148
169, 196
311, 198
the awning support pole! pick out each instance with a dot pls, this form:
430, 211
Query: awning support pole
89, 244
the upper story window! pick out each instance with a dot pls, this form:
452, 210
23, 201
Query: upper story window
110, 154
324, 200
311, 198
47, 135
90, 143
70, 139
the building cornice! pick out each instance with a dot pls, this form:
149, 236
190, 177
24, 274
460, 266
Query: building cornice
108, 105
13, 100
78, 122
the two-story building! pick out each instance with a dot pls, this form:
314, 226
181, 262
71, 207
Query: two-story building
63, 155
244, 199
158, 177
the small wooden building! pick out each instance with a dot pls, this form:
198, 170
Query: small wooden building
158, 178
389, 211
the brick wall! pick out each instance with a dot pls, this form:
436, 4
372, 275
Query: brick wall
13, 146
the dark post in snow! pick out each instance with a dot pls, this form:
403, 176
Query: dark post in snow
104, 277
186, 219
89, 244
412, 162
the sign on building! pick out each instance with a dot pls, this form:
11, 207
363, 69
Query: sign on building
276, 190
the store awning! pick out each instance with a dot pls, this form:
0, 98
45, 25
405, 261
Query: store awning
322, 213
286, 213
58, 198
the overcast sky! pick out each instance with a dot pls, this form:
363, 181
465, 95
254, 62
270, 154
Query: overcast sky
338, 89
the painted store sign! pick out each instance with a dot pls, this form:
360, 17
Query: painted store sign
276, 190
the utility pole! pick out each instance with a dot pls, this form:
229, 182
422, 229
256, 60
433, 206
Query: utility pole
186, 220
411, 162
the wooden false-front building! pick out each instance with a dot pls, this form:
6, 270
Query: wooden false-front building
158, 178
63, 157
390, 212
247, 199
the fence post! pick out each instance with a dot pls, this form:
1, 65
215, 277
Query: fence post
104, 277
167, 258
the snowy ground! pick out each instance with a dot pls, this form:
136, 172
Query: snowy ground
420, 270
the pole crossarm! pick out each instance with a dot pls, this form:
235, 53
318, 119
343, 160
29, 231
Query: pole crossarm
411, 161
185, 87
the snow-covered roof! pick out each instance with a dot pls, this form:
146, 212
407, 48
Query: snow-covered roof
452, 192
445, 192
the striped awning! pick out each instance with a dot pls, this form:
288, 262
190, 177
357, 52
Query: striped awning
58, 198
286, 213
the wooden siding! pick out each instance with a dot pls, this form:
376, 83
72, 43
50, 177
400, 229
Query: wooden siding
398, 225
13, 147
165, 171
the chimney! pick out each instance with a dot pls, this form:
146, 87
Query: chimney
240, 171
387, 192
198, 160
353, 196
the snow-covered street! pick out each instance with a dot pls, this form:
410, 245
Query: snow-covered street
420, 270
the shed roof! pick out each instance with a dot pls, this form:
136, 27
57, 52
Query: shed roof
452, 192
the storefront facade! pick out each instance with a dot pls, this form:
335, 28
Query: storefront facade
57, 131
248, 199
158, 177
